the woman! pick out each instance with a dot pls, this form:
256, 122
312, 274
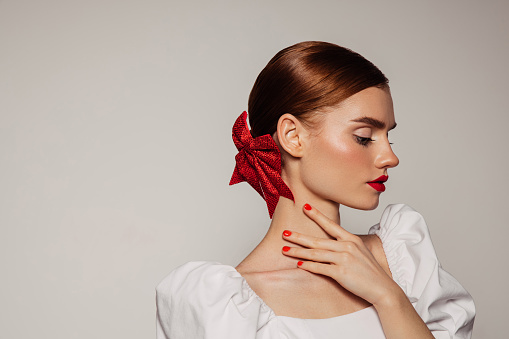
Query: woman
320, 116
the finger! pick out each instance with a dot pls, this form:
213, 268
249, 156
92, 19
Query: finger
325, 244
328, 225
315, 267
314, 242
310, 254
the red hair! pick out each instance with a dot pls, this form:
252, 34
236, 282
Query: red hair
304, 78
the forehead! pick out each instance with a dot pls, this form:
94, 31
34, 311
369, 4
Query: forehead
371, 102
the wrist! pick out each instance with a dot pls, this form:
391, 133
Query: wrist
392, 300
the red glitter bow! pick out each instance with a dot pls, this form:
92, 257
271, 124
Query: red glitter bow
259, 163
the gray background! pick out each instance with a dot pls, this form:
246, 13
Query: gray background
116, 150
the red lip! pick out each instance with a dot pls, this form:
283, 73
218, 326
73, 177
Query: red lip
382, 178
378, 183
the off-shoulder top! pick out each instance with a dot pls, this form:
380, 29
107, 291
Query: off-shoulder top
209, 300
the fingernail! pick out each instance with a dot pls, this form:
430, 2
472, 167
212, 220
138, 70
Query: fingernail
300, 263
307, 206
287, 233
286, 248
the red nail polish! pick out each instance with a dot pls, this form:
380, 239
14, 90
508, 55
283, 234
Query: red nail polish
307, 206
287, 233
286, 248
300, 263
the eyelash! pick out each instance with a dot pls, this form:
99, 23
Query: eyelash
364, 141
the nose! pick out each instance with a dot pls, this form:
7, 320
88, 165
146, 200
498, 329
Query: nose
386, 158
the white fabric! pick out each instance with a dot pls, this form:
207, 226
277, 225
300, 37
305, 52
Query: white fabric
445, 306
208, 300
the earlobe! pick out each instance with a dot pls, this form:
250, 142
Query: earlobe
290, 134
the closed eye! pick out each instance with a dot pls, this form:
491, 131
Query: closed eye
363, 141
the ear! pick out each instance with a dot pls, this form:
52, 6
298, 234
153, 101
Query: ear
291, 134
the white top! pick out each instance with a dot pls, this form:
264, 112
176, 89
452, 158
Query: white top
208, 300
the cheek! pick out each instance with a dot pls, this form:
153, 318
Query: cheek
335, 161
340, 155
337, 170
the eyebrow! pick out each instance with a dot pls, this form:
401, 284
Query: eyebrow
374, 122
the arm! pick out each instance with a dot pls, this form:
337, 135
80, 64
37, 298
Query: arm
396, 310
400, 320
443, 304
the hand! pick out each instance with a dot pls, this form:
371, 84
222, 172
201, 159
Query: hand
345, 259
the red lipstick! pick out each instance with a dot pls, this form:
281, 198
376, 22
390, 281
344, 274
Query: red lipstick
378, 183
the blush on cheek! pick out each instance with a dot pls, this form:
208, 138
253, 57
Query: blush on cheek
346, 151
334, 160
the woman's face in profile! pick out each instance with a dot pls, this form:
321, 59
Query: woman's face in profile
351, 151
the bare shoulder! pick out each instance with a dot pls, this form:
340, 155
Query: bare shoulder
275, 282
278, 289
319, 296
374, 245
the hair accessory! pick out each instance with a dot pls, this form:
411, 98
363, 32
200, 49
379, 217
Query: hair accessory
259, 163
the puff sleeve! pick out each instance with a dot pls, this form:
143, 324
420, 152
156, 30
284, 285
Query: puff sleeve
444, 305
207, 300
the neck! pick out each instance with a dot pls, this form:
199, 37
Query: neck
267, 256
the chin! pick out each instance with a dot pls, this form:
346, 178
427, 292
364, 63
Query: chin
364, 205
